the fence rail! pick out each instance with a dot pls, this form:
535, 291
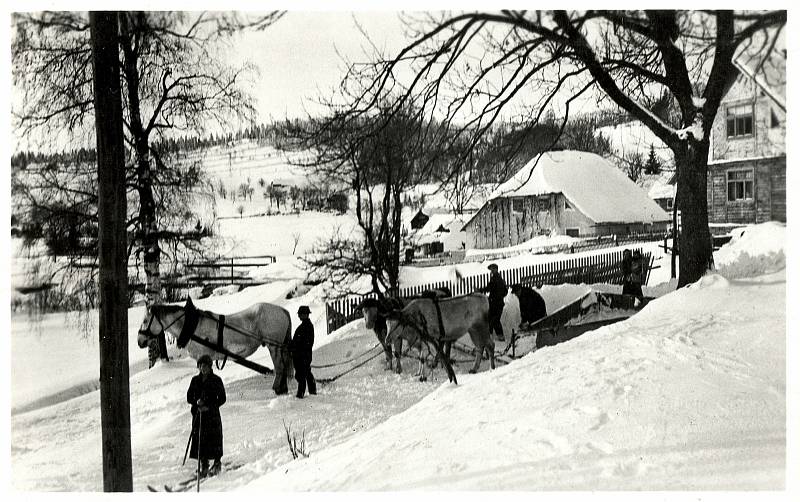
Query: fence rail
601, 268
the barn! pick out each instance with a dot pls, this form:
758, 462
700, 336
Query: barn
573, 193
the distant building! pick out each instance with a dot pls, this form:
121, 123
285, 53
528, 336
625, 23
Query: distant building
419, 220
564, 193
747, 159
662, 191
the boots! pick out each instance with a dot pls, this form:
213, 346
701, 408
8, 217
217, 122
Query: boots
203, 468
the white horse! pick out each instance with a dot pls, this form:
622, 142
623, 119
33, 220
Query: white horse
261, 324
425, 320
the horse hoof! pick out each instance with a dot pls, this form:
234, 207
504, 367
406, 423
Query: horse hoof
423, 379
473, 371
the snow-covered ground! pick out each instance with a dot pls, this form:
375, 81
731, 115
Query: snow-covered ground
688, 394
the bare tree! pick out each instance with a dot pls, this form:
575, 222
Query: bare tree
172, 80
379, 156
473, 68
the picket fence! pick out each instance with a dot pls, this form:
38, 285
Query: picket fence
601, 268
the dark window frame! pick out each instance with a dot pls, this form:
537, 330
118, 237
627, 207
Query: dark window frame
740, 187
739, 121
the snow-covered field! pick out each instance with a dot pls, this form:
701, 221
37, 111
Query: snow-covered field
688, 394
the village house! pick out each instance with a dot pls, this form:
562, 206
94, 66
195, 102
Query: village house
578, 194
662, 191
747, 164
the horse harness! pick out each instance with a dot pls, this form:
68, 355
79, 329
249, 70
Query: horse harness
192, 318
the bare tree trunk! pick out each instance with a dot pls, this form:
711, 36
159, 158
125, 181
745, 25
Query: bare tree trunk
674, 236
148, 236
695, 238
114, 374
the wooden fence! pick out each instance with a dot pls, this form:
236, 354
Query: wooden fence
601, 268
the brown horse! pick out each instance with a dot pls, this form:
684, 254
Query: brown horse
419, 323
261, 324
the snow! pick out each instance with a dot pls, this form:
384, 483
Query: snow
635, 137
688, 394
589, 182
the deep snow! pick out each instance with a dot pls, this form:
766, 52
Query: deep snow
689, 394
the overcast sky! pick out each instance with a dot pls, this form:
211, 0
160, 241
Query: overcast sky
297, 57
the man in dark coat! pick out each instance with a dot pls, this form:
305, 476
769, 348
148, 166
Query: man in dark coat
632, 274
206, 394
531, 304
497, 290
302, 345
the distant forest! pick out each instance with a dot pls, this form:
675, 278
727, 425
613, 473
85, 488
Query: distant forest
512, 145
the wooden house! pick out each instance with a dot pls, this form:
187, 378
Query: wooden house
564, 193
747, 159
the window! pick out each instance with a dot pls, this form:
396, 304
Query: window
573, 232
543, 204
740, 185
670, 203
517, 205
740, 121
567, 205
775, 120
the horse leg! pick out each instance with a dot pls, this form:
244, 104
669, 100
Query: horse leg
398, 354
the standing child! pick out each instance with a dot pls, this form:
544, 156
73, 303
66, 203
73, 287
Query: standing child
206, 394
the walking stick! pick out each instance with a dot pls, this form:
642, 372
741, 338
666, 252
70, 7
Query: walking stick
199, 425
186, 453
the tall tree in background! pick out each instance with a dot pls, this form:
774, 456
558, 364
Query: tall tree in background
472, 67
114, 385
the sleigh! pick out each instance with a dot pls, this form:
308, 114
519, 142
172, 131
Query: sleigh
589, 312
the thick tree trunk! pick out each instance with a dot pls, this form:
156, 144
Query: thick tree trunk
695, 238
111, 209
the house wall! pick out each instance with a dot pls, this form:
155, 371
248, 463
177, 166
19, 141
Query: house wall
764, 152
765, 141
769, 192
497, 225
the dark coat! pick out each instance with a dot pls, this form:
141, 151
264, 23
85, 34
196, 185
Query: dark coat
497, 290
212, 392
303, 343
531, 305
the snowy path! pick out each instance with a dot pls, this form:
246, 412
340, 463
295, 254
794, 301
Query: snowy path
253, 420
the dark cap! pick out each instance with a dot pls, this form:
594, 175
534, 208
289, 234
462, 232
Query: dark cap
493, 266
304, 310
204, 359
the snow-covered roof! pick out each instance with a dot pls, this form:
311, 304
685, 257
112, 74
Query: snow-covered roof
452, 223
595, 186
663, 187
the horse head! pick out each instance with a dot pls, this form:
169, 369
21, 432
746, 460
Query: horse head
151, 326
369, 308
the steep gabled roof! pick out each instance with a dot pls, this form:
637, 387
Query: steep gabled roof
777, 95
596, 187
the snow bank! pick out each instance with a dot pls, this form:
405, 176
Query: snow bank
661, 401
753, 250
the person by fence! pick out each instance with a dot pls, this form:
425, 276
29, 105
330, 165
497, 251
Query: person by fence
531, 304
497, 290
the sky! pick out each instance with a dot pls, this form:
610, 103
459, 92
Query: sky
300, 56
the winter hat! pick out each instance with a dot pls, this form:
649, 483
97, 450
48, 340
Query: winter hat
304, 310
204, 359
493, 266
